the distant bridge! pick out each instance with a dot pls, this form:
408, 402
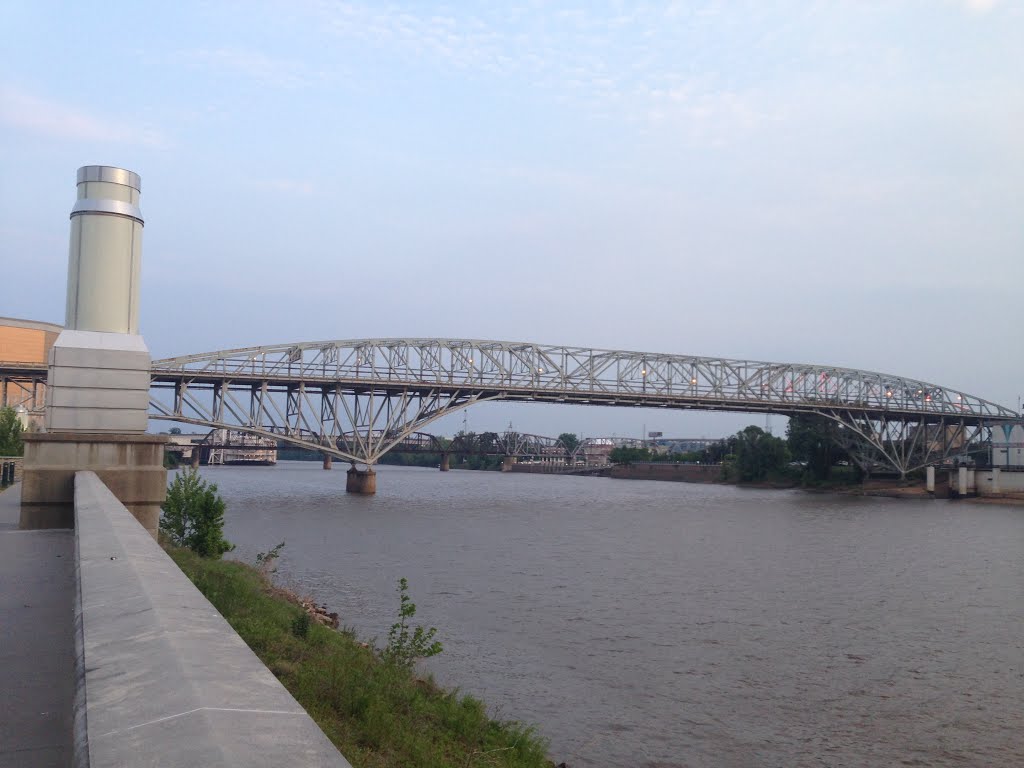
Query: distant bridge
358, 399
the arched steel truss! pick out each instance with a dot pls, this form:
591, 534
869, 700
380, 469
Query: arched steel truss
358, 399
508, 443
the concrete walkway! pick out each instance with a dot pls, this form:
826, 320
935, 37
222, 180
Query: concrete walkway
37, 651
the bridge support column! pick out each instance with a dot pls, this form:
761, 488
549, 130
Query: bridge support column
445, 462
929, 475
961, 481
328, 461
361, 481
508, 462
197, 455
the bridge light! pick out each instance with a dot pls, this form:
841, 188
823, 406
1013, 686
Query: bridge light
693, 381
888, 394
643, 371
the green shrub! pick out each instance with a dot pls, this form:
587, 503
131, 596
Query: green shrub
193, 515
10, 433
404, 648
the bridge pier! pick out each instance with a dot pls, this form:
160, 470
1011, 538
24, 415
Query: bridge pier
328, 461
445, 462
508, 462
361, 481
197, 453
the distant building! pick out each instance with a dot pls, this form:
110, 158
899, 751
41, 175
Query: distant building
234, 447
1008, 445
683, 444
25, 343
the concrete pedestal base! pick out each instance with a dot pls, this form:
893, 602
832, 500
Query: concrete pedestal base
508, 462
98, 382
362, 481
131, 466
445, 462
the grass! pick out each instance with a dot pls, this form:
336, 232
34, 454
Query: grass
379, 715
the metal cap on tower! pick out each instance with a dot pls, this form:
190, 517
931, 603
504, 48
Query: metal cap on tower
105, 255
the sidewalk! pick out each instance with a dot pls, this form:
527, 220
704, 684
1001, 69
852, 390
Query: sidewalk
37, 651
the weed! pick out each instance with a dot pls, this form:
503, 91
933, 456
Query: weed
403, 648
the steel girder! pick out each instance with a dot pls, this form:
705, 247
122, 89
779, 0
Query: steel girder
376, 392
903, 445
358, 399
508, 443
28, 392
514, 370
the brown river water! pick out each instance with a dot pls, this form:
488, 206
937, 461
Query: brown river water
652, 624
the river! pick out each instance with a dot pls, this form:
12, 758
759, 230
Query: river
654, 624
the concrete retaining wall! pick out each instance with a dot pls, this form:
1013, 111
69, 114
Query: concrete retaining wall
657, 470
162, 679
987, 482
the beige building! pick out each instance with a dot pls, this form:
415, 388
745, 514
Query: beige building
26, 341
24, 351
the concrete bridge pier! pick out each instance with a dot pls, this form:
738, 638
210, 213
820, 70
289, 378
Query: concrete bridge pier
197, 453
508, 462
929, 474
445, 462
328, 461
361, 481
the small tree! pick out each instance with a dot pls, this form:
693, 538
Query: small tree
193, 515
404, 648
570, 441
10, 433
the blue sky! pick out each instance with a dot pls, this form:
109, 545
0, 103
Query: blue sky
829, 182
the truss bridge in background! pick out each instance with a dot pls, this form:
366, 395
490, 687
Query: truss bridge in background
358, 399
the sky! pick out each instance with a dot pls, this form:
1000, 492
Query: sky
837, 182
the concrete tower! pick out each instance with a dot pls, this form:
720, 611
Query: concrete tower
97, 395
99, 365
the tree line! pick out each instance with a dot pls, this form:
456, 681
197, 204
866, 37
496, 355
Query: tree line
810, 451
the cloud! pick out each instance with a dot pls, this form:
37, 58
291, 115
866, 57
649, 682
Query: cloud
33, 114
980, 6
299, 187
250, 64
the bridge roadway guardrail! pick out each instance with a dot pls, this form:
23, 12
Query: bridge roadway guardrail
162, 678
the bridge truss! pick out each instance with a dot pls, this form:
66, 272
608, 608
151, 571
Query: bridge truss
510, 443
23, 385
358, 399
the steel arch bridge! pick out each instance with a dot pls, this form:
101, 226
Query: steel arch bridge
358, 399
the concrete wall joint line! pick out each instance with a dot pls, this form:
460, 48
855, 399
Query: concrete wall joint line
201, 709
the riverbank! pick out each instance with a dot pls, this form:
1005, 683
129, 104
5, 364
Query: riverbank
379, 715
890, 488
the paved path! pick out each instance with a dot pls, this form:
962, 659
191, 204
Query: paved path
37, 652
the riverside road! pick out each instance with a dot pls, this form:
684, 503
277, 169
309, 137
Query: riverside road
639, 623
